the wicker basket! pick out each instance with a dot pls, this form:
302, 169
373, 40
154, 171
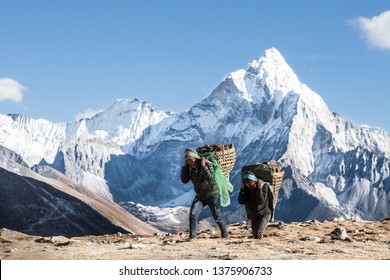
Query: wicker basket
277, 177
225, 154
276, 183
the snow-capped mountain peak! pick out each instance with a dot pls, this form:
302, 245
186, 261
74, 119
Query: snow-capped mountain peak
30, 138
36, 140
266, 78
123, 122
274, 70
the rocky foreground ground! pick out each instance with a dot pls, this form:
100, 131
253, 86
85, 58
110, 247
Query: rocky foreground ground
364, 240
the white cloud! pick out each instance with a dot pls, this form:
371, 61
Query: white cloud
88, 113
11, 90
376, 30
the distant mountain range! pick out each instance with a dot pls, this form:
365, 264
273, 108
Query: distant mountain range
133, 151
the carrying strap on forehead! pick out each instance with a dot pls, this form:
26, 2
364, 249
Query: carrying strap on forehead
250, 177
190, 154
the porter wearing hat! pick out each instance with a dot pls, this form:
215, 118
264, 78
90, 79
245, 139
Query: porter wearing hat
256, 196
200, 172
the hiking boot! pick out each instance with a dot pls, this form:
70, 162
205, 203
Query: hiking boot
258, 236
227, 236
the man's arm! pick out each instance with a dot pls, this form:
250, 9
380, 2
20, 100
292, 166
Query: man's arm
185, 174
207, 169
241, 195
260, 199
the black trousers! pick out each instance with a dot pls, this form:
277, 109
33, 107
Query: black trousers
215, 206
259, 223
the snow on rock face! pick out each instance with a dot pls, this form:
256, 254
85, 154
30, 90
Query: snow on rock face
80, 149
34, 140
84, 159
123, 122
167, 219
273, 72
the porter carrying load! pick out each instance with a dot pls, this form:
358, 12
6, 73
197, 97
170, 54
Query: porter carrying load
223, 158
270, 172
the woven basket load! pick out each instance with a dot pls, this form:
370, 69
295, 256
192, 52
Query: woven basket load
276, 183
225, 154
277, 178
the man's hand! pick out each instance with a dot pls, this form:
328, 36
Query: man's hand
203, 161
260, 184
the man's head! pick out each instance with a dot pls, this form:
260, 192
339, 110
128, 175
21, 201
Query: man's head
250, 180
191, 155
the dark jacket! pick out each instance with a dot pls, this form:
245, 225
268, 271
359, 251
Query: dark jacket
256, 200
203, 179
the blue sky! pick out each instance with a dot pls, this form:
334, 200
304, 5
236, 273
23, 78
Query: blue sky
59, 59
